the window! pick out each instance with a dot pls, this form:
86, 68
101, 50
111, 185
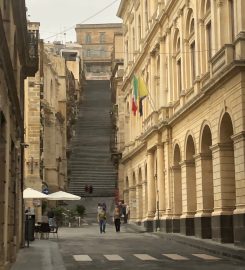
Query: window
193, 61
178, 45
232, 24
146, 15
208, 6
179, 76
133, 40
102, 37
139, 29
88, 38
192, 27
209, 40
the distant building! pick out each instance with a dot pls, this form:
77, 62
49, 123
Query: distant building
97, 46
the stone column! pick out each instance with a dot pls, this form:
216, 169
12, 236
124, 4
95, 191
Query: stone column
151, 191
222, 218
139, 208
144, 199
126, 196
239, 212
177, 198
132, 203
160, 179
205, 198
188, 197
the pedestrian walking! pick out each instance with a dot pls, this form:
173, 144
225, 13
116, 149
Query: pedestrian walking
99, 208
117, 218
101, 217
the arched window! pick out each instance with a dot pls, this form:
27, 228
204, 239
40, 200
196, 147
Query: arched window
192, 47
177, 47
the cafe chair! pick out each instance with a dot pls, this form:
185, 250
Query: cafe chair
54, 230
44, 231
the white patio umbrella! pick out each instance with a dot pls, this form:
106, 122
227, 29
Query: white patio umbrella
64, 196
30, 193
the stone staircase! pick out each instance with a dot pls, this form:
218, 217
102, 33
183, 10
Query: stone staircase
90, 162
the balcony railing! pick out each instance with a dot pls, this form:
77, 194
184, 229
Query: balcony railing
27, 40
222, 59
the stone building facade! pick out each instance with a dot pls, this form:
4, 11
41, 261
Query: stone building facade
117, 112
62, 84
97, 45
18, 59
183, 159
51, 107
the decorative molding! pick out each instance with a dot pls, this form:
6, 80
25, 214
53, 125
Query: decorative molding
220, 3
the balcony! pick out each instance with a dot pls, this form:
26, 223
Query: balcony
222, 59
150, 124
32, 56
27, 40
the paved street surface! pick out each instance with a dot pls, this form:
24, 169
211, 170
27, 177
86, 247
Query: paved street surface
91, 250
85, 248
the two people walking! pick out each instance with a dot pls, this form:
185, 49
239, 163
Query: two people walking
118, 213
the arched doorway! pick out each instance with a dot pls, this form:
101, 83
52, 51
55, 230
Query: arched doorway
224, 182
205, 190
189, 199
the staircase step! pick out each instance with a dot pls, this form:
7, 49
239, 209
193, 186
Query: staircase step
90, 161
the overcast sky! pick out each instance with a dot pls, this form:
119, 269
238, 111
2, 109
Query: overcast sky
56, 16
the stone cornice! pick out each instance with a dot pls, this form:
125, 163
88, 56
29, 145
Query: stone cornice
238, 137
221, 147
132, 153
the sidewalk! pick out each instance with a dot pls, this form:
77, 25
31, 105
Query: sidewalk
41, 255
227, 250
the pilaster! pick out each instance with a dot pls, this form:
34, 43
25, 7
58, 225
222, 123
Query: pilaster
239, 212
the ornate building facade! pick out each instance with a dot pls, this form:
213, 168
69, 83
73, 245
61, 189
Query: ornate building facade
18, 59
183, 157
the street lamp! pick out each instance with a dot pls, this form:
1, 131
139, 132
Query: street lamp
158, 216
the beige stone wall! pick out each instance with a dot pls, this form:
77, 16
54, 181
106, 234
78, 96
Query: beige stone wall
54, 115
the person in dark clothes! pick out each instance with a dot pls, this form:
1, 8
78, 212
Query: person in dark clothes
117, 218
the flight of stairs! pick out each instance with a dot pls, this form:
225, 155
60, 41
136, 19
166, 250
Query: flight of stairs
90, 162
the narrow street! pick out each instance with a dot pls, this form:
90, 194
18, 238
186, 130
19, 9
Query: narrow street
86, 248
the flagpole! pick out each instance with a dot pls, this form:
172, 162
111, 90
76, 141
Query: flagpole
151, 102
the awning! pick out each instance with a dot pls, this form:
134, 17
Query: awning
61, 195
30, 193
